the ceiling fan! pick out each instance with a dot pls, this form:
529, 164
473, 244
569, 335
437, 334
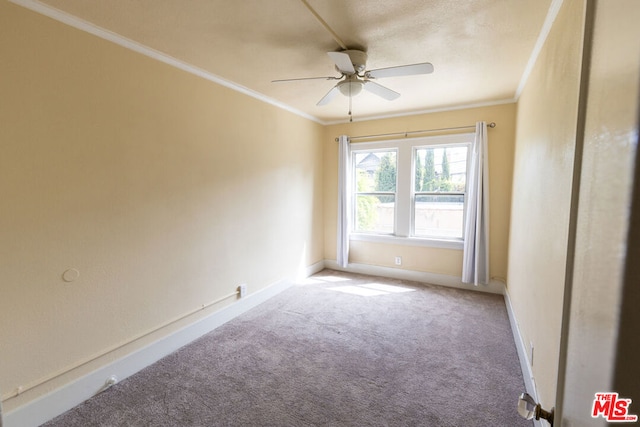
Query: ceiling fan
352, 64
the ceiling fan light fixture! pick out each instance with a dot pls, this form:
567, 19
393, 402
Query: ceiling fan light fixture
350, 87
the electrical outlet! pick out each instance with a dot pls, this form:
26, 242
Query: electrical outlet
242, 290
398, 260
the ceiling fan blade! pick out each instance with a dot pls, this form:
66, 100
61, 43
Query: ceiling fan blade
328, 97
402, 70
306, 78
380, 90
343, 62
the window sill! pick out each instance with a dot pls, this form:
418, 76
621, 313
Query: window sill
407, 241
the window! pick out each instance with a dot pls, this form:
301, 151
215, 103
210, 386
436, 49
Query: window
440, 175
375, 193
411, 190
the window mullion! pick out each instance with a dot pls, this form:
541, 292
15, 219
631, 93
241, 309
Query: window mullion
403, 189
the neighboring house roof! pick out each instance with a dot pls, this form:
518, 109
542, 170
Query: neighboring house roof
370, 163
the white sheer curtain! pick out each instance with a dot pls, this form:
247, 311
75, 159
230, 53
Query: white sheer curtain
475, 262
344, 203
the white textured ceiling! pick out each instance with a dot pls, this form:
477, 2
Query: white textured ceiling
479, 48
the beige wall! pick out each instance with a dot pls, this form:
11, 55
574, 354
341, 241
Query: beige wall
164, 190
545, 143
430, 260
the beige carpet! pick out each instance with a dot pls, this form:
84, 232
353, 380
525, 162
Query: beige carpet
338, 350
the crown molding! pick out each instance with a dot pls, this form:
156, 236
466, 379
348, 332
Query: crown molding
554, 8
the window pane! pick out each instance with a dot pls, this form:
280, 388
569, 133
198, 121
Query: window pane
440, 169
375, 214
439, 216
376, 171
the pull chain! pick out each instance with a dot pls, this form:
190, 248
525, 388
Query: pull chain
350, 114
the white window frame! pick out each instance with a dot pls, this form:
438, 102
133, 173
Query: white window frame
405, 185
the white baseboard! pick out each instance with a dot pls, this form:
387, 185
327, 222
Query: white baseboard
51, 405
494, 286
309, 271
525, 363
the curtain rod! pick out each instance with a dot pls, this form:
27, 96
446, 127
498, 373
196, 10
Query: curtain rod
406, 134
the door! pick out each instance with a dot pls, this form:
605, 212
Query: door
600, 320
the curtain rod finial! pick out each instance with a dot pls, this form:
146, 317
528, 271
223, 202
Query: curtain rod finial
491, 125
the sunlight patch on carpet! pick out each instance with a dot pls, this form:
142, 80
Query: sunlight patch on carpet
388, 288
371, 289
314, 280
